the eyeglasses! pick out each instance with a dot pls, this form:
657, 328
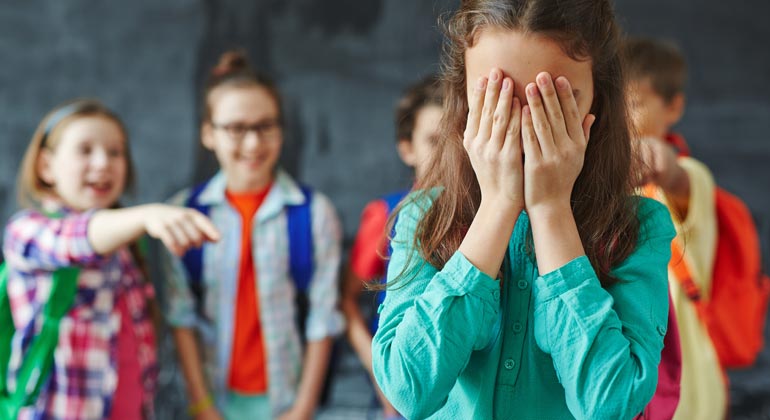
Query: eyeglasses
267, 130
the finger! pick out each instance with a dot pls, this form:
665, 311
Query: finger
588, 122
574, 122
207, 227
169, 242
180, 235
502, 113
513, 133
192, 232
490, 103
474, 108
528, 137
552, 105
540, 121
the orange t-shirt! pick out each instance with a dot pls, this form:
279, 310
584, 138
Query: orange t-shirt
248, 367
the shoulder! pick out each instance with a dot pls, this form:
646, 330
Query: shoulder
24, 216
297, 194
28, 220
653, 247
392, 199
654, 219
182, 197
208, 192
323, 214
22, 221
414, 207
375, 209
319, 202
418, 202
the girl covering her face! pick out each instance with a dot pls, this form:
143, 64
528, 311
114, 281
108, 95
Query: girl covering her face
519, 272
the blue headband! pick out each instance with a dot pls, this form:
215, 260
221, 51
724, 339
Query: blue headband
64, 112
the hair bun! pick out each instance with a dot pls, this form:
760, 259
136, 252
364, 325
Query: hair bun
231, 62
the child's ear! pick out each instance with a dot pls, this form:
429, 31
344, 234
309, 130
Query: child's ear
43, 167
676, 108
207, 136
406, 152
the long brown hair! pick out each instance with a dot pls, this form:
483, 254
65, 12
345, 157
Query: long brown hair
601, 200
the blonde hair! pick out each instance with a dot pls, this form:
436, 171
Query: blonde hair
30, 186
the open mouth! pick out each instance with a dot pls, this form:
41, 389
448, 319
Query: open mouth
100, 187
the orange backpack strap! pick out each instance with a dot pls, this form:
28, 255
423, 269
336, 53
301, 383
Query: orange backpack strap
678, 265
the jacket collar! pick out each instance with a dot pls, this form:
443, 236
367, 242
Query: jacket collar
284, 192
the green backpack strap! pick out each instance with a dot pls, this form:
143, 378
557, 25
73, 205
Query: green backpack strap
6, 335
38, 358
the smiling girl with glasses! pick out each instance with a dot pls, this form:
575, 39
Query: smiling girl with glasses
238, 299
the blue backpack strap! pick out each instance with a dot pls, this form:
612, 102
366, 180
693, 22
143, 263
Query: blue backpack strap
300, 226
301, 261
193, 258
302, 267
392, 201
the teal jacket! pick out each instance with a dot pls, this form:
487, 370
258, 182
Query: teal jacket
457, 344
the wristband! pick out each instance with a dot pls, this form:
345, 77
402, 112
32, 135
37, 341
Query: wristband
200, 406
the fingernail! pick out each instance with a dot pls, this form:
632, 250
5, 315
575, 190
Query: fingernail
494, 75
525, 110
515, 102
480, 83
532, 89
562, 82
543, 79
506, 84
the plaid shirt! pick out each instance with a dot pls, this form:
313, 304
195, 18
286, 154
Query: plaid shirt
84, 374
281, 337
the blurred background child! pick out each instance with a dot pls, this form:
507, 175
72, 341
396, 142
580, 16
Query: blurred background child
77, 166
254, 339
656, 79
418, 115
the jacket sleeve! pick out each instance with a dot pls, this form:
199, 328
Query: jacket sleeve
178, 302
606, 343
430, 323
34, 241
324, 318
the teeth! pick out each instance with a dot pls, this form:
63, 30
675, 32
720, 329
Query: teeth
99, 185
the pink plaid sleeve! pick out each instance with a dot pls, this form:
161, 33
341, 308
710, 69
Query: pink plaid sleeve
34, 241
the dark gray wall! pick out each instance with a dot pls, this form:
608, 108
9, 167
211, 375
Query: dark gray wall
341, 65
